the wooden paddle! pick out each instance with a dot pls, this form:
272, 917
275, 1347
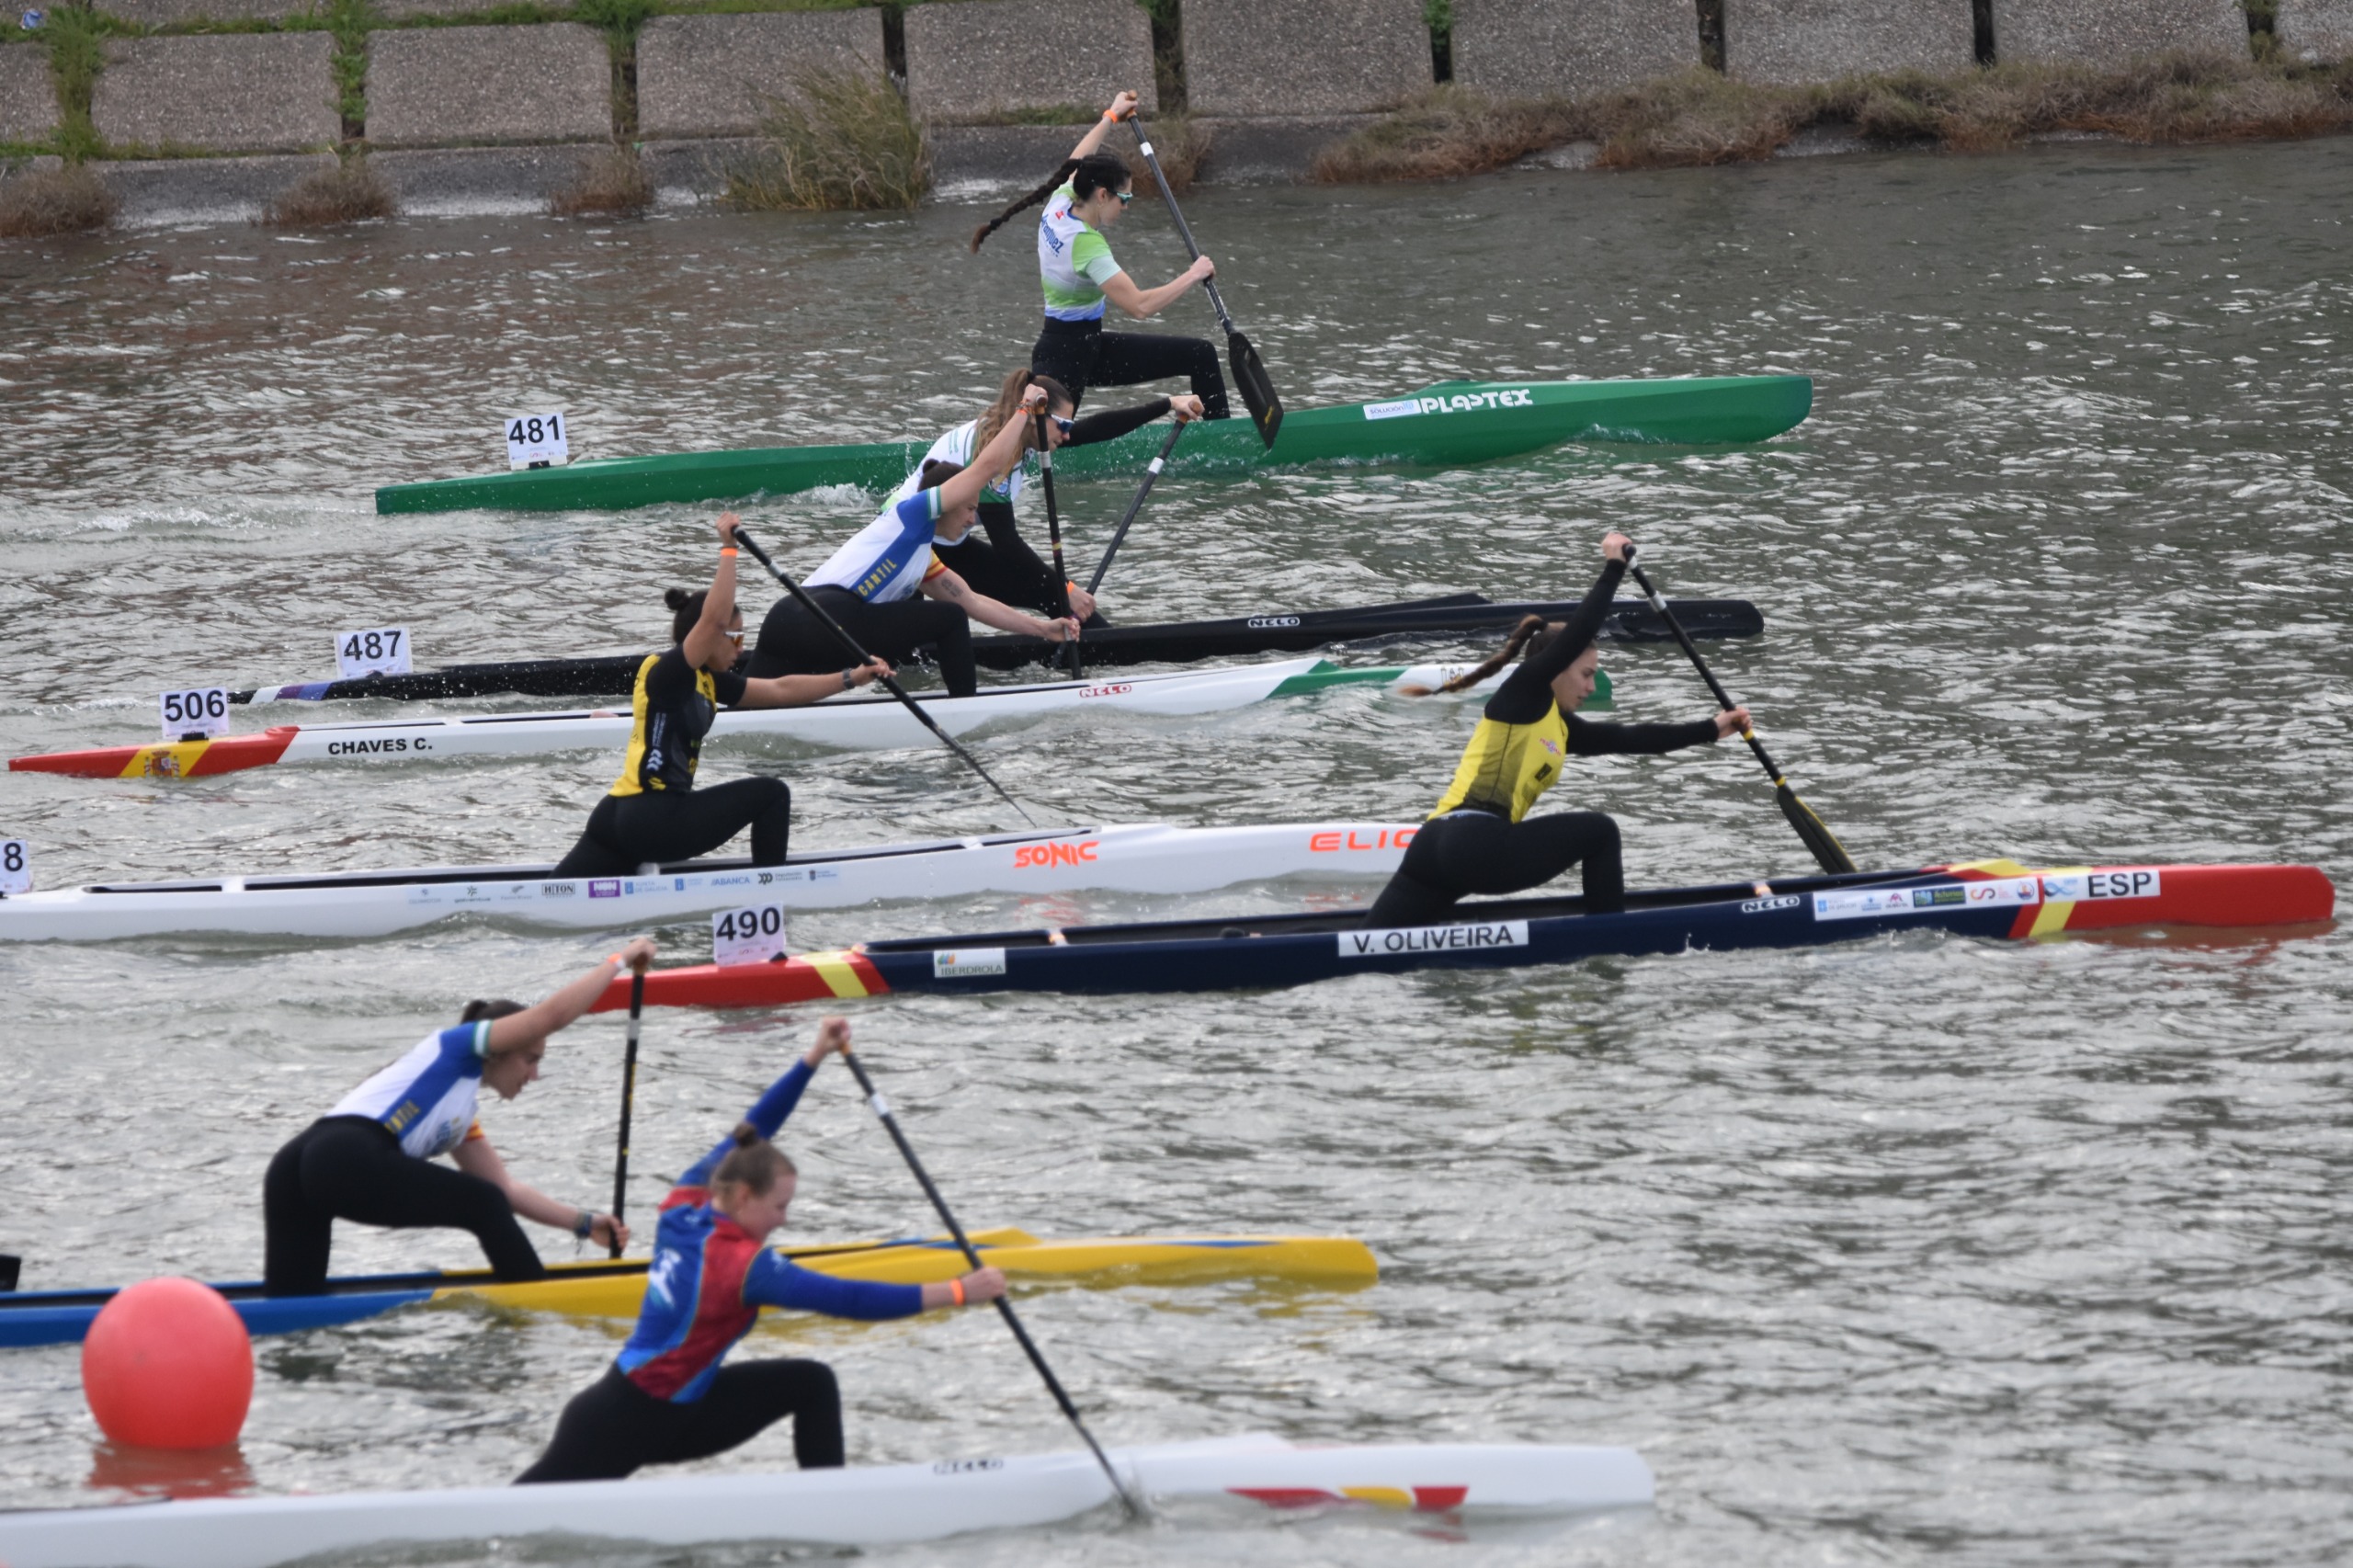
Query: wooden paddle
882, 1110
1249, 370
629, 1097
1151, 473
1828, 852
890, 683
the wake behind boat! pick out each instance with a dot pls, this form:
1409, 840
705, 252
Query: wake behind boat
1439, 427
862, 1506
1987, 898
1184, 642
616, 1289
1152, 858
848, 722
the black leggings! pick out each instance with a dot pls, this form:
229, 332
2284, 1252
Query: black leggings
1004, 566
347, 1167
612, 1427
629, 831
1080, 355
1468, 852
794, 642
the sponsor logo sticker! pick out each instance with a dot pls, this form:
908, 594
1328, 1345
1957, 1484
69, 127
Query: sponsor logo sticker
1865, 904
1767, 905
965, 1467
1118, 690
1068, 853
1433, 940
1399, 409
735, 880
2079, 886
558, 890
607, 889
1272, 622
959, 963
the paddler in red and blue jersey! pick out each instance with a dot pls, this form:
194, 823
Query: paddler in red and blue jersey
667, 1399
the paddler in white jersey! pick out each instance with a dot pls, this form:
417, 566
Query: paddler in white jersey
1078, 276
1003, 565
889, 591
370, 1158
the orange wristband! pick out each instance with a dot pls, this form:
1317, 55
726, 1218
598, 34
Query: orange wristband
957, 1287
728, 550
616, 961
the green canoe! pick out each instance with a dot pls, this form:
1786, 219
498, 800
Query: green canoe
1439, 426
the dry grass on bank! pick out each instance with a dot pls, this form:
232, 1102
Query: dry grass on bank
1180, 142
350, 192
1699, 117
70, 200
842, 139
612, 182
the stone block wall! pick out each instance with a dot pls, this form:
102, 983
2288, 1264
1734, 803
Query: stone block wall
1270, 57
2316, 30
982, 58
28, 97
430, 87
2109, 32
712, 75
167, 13
225, 92
1535, 49
1821, 41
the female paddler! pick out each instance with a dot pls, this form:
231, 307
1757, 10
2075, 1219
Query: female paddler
1003, 566
667, 1399
370, 1158
1086, 197
653, 812
887, 589
1481, 838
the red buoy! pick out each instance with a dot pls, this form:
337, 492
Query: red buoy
168, 1365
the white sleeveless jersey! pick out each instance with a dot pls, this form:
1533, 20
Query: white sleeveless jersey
958, 447
426, 1099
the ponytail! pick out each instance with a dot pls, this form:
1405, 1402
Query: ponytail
1529, 626
1096, 171
1008, 404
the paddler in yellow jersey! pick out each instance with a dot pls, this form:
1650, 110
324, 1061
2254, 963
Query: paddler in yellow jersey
653, 812
1481, 838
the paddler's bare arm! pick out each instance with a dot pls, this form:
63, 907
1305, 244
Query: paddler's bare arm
537, 1023
1143, 303
477, 1158
950, 588
1122, 108
707, 643
799, 691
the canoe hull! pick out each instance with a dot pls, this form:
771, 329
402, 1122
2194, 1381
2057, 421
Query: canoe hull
602, 1288
1145, 858
864, 1506
1439, 426
1991, 899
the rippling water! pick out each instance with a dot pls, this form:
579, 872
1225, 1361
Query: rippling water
1906, 1249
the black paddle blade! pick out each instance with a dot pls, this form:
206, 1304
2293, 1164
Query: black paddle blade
1829, 853
11, 1270
1258, 390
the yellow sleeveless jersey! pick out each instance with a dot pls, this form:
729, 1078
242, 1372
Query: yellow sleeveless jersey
669, 716
1506, 766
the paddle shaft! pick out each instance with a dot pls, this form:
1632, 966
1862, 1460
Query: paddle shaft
882, 1110
890, 683
1053, 514
1152, 162
629, 1100
1120, 534
1810, 828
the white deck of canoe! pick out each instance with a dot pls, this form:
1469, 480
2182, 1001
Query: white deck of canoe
857, 1507
1149, 858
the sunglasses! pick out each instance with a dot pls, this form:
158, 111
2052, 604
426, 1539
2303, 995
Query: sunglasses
734, 637
1126, 197
1059, 423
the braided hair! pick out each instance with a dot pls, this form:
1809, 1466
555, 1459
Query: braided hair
1096, 171
1522, 636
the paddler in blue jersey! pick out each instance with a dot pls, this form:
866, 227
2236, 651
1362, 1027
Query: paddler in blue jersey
665, 1398
1003, 565
653, 812
1078, 277
889, 590
1481, 838
370, 1158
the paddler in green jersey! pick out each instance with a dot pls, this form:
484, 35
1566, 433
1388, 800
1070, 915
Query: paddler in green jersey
1078, 275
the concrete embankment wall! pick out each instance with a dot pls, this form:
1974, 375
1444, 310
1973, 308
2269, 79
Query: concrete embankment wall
454, 105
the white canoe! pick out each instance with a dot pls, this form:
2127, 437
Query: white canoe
862, 1506
851, 722
1149, 858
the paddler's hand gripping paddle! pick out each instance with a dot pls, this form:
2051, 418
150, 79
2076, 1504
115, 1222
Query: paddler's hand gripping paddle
882, 1108
1249, 370
890, 683
1828, 852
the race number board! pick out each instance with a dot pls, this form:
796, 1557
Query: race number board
753, 935
16, 865
381, 651
202, 711
537, 440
